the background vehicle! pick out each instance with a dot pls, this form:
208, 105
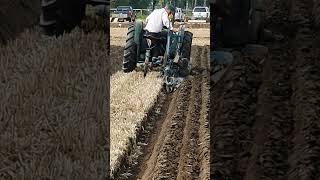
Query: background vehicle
124, 13
201, 13
60, 16
179, 15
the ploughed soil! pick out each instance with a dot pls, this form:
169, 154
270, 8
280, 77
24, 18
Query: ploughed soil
174, 140
265, 111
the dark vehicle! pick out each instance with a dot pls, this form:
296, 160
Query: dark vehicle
124, 13
59, 16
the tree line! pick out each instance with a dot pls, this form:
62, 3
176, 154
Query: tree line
145, 4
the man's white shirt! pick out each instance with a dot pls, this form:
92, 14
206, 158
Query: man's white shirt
156, 20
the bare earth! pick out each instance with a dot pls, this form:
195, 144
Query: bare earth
265, 111
172, 141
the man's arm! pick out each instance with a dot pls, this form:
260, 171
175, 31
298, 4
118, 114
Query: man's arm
147, 19
165, 20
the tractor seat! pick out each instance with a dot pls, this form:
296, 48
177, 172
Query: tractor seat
152, 37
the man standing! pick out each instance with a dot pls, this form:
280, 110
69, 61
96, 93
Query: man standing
156, 21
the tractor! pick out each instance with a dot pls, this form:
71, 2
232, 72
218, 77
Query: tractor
174, 61
59, 16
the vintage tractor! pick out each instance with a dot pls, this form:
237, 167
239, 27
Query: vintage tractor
59, 16
174, 61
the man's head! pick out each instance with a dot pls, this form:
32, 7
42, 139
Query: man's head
169, 8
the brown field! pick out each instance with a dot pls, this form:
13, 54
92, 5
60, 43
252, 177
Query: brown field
178, 147
265, 111
52, 125
167, 136
131, 97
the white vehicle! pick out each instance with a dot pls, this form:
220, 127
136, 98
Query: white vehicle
179, 15
201, 13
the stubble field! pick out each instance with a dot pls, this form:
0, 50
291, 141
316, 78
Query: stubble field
169, 133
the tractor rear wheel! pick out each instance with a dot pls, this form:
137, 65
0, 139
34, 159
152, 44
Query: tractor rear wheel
130, 51
185, 53
256, 26
186, 45
59, 16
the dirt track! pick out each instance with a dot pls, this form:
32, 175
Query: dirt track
265, 111
175, 140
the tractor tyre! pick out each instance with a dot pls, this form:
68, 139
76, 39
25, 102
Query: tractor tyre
59, 16
186, 45
185, 53
255, 31
130, 51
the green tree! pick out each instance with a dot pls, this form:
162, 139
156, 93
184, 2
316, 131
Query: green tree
140, 4
115, 3
136, 4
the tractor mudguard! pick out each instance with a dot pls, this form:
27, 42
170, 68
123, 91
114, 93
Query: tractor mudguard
138, 27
